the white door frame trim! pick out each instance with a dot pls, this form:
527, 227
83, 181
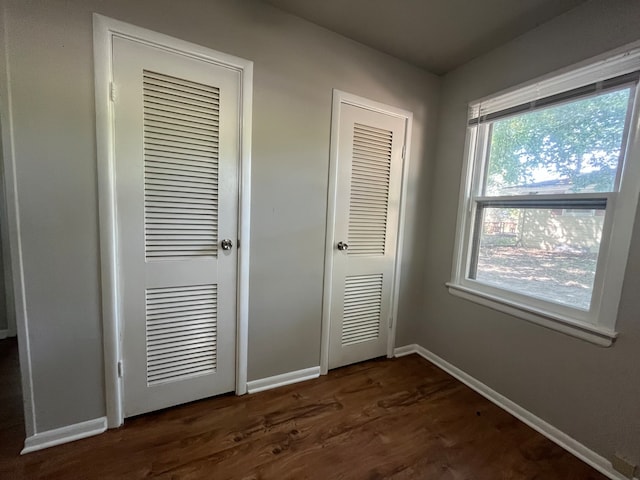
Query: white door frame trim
340, 98
104, 30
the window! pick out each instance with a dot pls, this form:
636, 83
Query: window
549, 198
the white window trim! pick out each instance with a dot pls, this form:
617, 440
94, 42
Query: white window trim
598, 325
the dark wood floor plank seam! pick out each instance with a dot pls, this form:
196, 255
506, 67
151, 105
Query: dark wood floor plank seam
384, 419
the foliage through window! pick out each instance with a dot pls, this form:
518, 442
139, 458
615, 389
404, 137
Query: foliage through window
573, 147
544, 178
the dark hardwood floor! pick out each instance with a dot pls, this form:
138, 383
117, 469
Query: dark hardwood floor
11, 410
396, 419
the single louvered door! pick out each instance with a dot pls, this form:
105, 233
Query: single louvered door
369, 175
176, 160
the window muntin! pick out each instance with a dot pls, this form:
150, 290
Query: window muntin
590, 184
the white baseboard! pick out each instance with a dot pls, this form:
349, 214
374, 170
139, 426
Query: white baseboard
7, 334
552, 433
66, 434
255, 386
407, 350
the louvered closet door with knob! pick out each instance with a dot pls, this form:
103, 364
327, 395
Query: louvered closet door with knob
176, 124
369, 175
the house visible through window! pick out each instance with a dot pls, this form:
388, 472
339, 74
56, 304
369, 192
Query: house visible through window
544, 180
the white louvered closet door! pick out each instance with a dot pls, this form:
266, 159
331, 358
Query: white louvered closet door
369, 176
176, 170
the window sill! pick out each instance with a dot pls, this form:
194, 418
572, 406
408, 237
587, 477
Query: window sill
590, 333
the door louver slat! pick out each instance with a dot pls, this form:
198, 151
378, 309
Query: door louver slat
178, 347
369, 198
162, 357
173, 154
181, 134
362, 308
181, 331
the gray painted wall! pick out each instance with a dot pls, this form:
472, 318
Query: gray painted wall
589, 392
296, 66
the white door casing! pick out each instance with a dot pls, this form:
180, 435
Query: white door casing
190, 282
368, 144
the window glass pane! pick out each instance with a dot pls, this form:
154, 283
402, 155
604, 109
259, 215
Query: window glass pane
572, 147
546, 253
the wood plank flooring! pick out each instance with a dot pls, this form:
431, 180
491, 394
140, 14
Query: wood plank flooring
11, 410
383, 419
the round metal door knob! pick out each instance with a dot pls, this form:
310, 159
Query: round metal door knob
342, 246
226, 244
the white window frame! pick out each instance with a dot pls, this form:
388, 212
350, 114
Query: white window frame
598, 324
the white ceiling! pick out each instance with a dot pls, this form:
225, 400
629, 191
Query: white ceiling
437, 35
